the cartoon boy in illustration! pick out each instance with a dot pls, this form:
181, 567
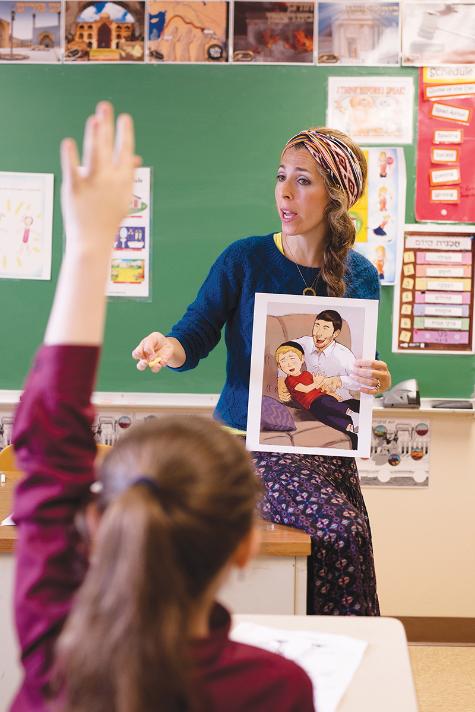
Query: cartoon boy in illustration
306, 389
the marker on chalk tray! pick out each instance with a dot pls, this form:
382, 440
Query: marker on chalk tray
156, 361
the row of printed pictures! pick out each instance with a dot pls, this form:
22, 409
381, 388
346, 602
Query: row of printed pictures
373, 33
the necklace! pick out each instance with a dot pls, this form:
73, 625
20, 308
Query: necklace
310, 290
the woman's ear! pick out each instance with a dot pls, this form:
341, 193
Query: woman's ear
247, 548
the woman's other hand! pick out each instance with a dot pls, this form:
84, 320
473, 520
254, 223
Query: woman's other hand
373, 376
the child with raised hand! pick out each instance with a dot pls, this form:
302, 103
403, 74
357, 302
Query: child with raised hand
125, 619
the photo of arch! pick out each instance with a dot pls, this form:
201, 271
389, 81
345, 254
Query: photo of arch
104, 31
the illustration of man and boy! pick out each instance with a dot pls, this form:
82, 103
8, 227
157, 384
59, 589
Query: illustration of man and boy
323, 389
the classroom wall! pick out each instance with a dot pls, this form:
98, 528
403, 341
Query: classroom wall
423, 537
213, 136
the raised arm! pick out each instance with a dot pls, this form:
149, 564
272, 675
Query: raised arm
52, 434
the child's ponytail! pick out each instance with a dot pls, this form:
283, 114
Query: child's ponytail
126, 644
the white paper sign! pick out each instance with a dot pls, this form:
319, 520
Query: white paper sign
26, 225
372, 109
130, 266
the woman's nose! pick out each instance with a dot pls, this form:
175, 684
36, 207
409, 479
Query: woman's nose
285, 189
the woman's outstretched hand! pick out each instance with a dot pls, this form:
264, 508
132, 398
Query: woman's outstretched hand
156, 351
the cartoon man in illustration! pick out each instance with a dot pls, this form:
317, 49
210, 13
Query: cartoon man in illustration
305, 389
324, 356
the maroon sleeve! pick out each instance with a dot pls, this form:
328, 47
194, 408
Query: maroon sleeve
292, 689
302, 688
55, 450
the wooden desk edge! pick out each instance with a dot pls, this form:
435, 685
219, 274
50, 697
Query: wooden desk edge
268, 548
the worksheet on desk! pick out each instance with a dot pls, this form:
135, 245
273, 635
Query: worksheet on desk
329, 660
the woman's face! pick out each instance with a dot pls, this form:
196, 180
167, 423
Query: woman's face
300, 194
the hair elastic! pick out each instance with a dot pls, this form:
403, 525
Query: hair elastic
151, 484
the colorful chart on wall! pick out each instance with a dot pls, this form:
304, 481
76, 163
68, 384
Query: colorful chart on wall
445, 184
104, 31
273, 32
372, 110
188, 31
438, 33
26, 223
30, 32
358, 33
400, 452
130, 266
379, 214
302, 396
433, 299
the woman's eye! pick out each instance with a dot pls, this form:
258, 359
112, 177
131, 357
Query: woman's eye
304, 181
280, 177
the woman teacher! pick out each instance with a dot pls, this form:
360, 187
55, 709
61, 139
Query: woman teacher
321, 175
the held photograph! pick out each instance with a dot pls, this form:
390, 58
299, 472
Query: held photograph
302, 397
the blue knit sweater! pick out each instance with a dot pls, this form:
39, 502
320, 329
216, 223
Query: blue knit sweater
251, 265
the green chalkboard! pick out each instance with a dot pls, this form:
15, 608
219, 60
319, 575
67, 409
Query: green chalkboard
213, 136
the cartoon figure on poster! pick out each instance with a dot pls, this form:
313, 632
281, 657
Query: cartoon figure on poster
381, 210
302, 395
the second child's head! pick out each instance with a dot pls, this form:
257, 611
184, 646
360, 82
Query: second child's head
175, 513
289, 357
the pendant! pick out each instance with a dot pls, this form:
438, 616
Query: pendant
309, 292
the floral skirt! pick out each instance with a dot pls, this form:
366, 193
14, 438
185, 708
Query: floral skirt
322, 496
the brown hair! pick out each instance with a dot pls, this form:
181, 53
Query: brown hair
341, 230
125, 645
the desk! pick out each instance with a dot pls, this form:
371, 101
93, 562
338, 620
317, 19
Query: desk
276, 581
383, 681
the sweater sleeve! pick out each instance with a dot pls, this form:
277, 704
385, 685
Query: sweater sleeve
199, 330
55, 450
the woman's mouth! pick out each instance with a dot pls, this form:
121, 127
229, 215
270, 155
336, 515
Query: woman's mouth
287, 215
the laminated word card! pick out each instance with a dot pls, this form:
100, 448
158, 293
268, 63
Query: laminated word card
433, 303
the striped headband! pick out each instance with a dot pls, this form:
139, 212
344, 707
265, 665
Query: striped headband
336, 158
